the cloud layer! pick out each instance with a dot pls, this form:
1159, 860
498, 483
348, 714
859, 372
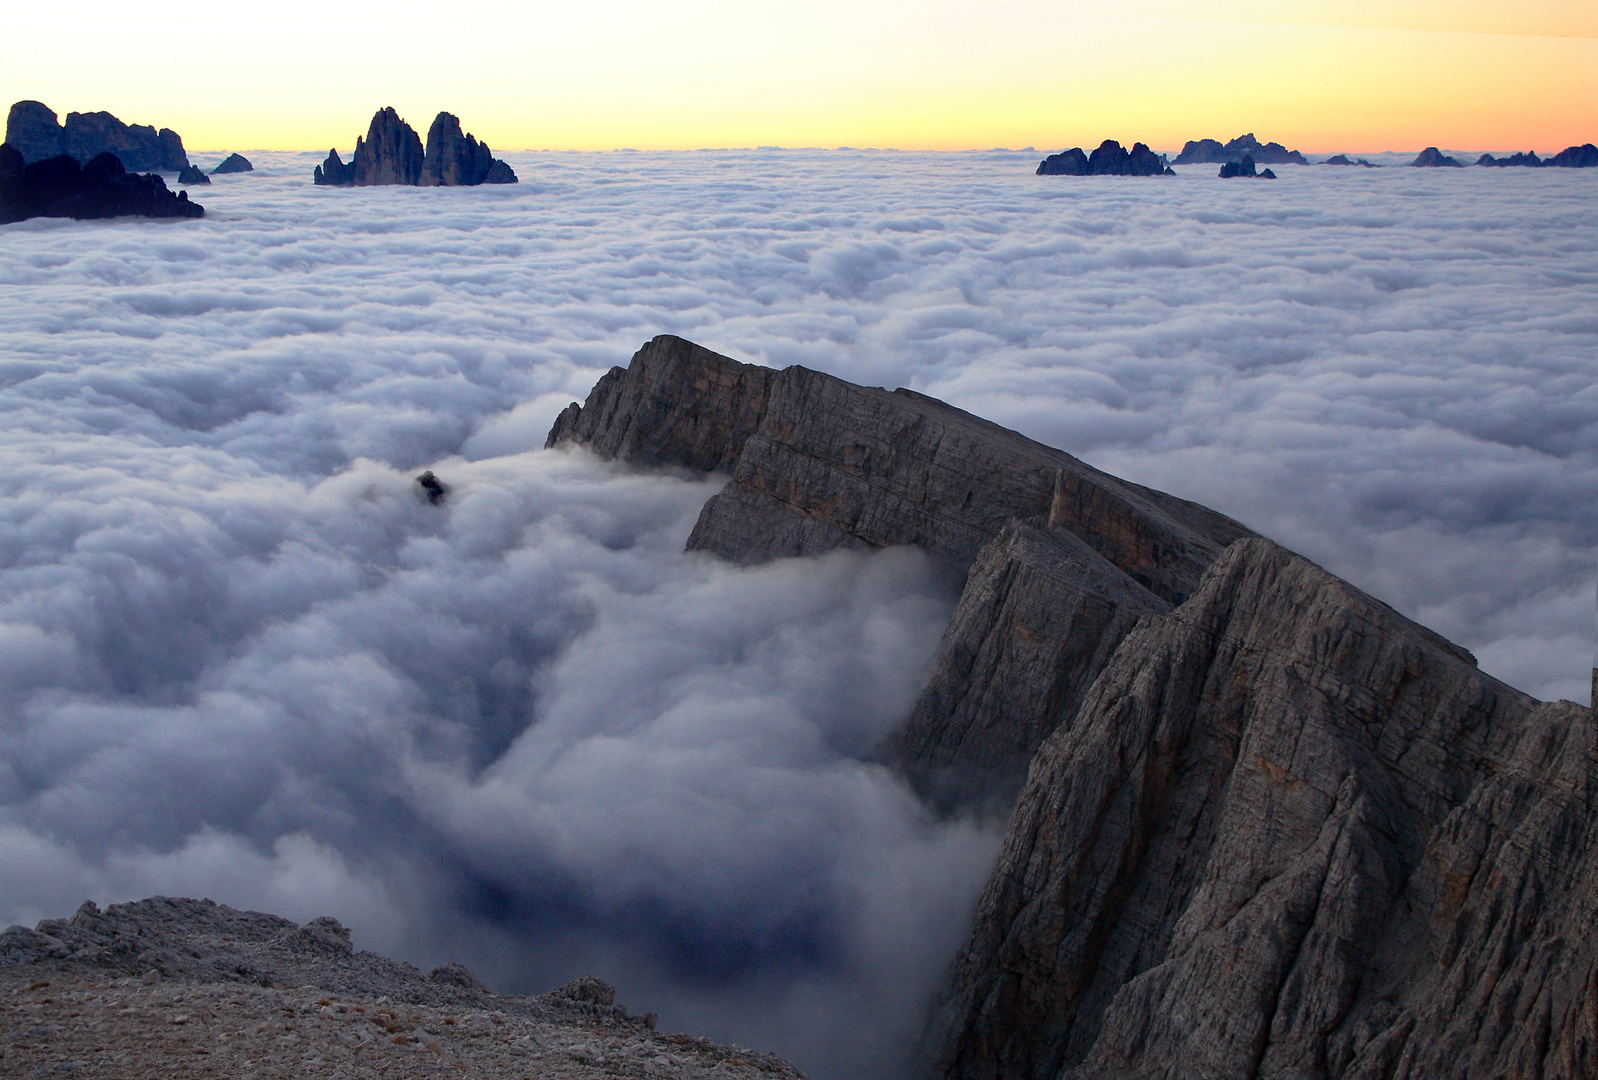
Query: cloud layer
241, 657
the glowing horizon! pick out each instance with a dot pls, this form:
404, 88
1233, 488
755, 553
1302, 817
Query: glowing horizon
1354, 77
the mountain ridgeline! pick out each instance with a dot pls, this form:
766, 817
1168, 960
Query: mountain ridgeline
392, 153
1261, 824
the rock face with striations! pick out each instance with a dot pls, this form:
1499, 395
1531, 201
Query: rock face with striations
60, 187
31, 127
818, 463
454, 159
392, 153
1212, 152
1270, 828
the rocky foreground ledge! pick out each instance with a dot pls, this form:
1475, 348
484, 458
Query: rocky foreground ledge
172, 989
1269, 827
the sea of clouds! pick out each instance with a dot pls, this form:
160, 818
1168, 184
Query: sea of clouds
242, 657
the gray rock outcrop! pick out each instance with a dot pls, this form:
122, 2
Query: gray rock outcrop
31, 127
1270, 828
1245, 167
1291, 833
191, 174
233, 163
1047, 543
455, 159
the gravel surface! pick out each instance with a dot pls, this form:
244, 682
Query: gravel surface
167, 988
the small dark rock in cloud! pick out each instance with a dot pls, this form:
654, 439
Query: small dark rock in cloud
433, 489
234, 163
191, 174
1343, 159
1433, 158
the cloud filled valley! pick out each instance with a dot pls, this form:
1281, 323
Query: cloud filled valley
241, 656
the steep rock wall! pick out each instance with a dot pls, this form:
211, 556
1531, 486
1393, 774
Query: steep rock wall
1289, 834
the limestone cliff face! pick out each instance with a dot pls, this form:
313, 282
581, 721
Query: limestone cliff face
1040, 616
1290, 834
456, 159
1269, 827
391, 153
1060, 558
819, 463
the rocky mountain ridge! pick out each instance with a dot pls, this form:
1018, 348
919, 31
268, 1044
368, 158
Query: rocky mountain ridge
1269, 826
1212, 152
59, 187
392, 153
32, 129
1110, 159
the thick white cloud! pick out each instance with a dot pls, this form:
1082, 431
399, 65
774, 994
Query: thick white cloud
240, 656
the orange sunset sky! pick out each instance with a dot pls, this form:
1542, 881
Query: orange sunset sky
1359, 75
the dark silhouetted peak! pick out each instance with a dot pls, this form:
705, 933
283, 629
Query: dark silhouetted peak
1433, 158
1110, 159
233, 163
1528, 160
391, 153
333, 172
1343, 159
31, 127
192, 174
500, 173
453, 159
1072, 162
32, 130
60, 187
1575, 157
1213, 152
1245, 167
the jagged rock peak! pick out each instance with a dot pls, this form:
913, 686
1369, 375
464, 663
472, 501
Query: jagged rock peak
1433, 158
1584, 156
454, 159
392, 153
819, 463
60, 187
1212, 152
233, 163
1291, 833
32, 129
1110, 159
191, 174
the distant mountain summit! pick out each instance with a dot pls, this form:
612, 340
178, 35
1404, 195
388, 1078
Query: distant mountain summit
1433, 158
392, 153
1212, 152
32, 129
1110, 159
